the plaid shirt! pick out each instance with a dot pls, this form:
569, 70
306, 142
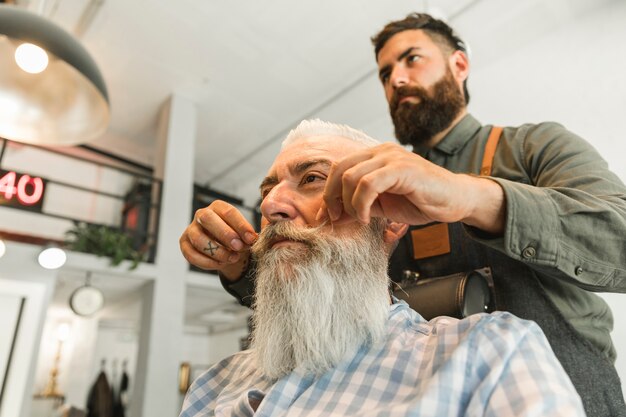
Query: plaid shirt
484, 365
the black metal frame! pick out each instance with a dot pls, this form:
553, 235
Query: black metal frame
149, 236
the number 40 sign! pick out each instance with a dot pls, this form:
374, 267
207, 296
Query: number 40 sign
21, 190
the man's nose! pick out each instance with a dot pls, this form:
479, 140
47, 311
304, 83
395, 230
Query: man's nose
399, 76
278, 204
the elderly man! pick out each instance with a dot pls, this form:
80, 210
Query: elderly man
329, 340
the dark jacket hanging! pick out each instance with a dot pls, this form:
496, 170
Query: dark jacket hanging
118, 404
100, 399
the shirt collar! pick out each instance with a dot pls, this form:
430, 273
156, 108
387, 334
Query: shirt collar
456, 139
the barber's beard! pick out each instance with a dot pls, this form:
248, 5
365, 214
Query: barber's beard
417, 123
317, 302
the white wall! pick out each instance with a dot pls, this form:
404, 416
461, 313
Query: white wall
573, 75
205, 349
10, 311
202, 349
224, 344
90, 340
195, 348
115, 345
25, 279
77, 378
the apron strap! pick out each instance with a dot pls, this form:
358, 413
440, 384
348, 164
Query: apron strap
490, 150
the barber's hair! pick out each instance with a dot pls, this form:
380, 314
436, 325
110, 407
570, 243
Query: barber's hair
317, 127
439, 31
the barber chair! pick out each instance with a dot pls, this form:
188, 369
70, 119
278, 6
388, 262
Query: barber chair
458, 295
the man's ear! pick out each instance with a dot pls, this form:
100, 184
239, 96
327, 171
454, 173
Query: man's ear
459, 65
394, 231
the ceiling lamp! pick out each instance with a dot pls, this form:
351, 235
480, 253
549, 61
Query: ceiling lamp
51, 91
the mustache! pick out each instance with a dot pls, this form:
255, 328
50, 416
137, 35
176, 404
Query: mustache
407, 91
285, 230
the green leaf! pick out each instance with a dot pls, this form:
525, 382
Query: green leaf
103, 241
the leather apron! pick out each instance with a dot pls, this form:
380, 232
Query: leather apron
519, 290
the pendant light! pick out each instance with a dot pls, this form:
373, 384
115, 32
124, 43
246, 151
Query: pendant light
51, 90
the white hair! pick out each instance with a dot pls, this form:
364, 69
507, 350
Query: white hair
316, 127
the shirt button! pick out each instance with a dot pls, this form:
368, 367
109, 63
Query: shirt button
578, 270
529, 252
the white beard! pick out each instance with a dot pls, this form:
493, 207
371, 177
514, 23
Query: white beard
317, 302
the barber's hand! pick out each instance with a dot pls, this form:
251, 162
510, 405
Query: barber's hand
391, 182
219, 239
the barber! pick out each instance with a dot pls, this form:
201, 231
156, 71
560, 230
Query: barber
536, 204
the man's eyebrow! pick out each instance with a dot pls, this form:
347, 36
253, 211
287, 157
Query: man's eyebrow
267, 181
400, 57
407, 52
300, 167
295, 170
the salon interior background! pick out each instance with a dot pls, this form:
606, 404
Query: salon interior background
239, 75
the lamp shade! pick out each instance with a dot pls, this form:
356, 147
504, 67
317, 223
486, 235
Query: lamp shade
64, 104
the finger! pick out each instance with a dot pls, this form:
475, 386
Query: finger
196, 258
332, 194
353, 177
344, 219
216, 226
322, 213
334, 183
322, 216
233, 217
370, 187
219, 253
209, 246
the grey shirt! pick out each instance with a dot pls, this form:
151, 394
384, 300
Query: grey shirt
565, 214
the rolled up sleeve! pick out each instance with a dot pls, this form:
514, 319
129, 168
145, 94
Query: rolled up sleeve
569, 220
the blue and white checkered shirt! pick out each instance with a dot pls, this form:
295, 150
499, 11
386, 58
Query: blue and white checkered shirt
484, 365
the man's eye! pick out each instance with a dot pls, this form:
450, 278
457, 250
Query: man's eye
311, 178
384, 78
413, 58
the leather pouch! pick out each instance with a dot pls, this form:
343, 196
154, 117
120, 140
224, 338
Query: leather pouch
457, 295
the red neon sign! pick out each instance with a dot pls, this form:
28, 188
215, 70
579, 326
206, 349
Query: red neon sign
28, 190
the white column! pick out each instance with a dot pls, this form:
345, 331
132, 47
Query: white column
155, 392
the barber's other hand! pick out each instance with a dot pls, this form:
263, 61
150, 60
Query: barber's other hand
219, 239
391, 182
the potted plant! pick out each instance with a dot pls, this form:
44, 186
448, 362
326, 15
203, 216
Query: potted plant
102, 240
